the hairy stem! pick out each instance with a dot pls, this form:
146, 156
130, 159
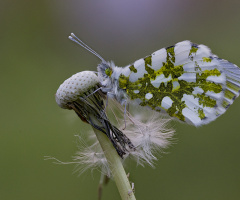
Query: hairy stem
115, 165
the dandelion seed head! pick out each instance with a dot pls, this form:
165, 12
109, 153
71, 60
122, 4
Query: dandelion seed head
72, 88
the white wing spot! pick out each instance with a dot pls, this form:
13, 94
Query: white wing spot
136, 91
166, 102
148, 96
191, 116
217, 79
175, 85
158, 58
189, 77
197, 90
159, 79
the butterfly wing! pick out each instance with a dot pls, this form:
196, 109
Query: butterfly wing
186, 81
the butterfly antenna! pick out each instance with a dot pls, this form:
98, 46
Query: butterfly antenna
74, 38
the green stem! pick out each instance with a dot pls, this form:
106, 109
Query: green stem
116, 167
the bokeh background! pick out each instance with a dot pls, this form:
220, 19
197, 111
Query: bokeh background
36, 57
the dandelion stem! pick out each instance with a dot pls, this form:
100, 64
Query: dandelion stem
115, 165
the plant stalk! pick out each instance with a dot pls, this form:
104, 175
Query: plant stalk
115, 165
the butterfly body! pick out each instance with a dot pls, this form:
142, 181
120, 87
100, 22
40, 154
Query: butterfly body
185, 81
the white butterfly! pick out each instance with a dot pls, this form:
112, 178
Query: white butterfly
185, 81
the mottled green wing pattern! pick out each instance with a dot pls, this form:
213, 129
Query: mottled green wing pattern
186, 81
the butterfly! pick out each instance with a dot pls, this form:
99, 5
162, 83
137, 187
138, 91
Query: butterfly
185, 81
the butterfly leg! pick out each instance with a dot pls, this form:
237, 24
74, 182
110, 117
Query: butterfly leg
108, 94
93, 92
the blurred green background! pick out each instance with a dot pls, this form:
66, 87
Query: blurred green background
36, 57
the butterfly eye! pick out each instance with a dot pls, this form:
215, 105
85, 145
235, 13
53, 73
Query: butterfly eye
108, 72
